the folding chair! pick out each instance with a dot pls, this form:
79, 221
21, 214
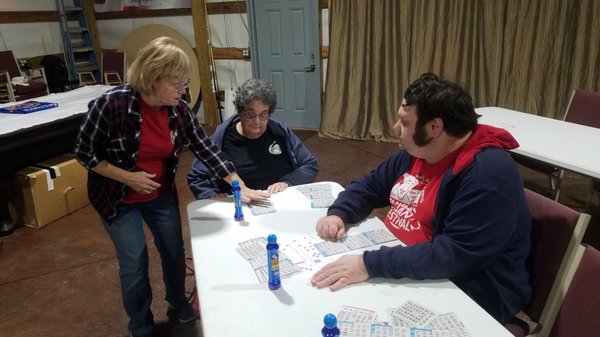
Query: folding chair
86, 78
114, 67
556, 232
33, 86
580, 307
584, 109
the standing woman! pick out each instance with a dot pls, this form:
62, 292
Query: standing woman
130, 142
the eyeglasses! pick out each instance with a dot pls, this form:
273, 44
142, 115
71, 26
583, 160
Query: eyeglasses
251, 115
181, 85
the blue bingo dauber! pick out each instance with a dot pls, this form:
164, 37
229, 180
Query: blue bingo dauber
235, 190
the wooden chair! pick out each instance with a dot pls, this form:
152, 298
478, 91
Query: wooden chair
580, 304
86, 78
35, 84
557, 231
584, 109
114, 67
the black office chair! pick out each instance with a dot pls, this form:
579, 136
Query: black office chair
57, 74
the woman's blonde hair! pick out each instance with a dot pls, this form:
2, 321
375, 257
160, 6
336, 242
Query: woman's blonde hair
160, 58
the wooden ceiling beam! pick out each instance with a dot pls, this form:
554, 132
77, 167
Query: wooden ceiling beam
225, 7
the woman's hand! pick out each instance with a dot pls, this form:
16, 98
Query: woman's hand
249, 195
141, 182
277, 187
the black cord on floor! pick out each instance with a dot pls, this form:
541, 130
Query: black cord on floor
192, 296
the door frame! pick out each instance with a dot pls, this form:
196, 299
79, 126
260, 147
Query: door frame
255, 51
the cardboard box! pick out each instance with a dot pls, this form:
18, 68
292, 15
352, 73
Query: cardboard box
50, 190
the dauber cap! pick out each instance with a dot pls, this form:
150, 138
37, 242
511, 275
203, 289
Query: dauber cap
272, 238
330, 321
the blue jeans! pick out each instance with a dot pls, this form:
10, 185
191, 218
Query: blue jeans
127, 234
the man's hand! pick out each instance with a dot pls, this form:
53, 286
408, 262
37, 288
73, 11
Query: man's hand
348, 269
277, 187
331, 227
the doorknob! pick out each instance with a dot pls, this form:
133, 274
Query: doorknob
310, 69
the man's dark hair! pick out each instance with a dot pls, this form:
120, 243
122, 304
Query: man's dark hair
439, 98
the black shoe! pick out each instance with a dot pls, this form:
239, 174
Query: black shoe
184, 314
149, 334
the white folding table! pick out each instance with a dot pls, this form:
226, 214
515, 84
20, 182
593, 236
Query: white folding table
570, 146
234, 303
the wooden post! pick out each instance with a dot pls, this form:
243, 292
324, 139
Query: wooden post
203, 53
90, 15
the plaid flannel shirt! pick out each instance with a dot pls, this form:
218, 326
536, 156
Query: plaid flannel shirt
111, 131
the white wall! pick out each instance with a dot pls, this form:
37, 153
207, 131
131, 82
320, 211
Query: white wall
32, 38
227, 30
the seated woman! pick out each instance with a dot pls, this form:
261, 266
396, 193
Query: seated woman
266, 153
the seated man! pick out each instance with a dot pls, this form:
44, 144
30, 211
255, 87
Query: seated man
457, 202
266, 153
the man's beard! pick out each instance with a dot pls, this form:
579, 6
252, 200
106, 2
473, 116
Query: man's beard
420, 137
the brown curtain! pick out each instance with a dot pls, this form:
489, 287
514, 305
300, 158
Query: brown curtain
526, 55
367, 68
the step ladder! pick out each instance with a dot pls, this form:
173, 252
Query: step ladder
78, 44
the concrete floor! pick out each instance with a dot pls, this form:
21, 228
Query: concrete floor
62, 280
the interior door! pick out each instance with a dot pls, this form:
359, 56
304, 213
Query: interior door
285, 50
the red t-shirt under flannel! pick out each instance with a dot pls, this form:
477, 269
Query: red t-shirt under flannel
156, 147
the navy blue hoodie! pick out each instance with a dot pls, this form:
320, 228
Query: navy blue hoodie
481, 224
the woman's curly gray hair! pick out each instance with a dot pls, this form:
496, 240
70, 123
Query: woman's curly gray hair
255, 89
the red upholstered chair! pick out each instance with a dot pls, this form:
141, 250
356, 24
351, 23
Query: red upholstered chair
556, 233
114, 67
580, 308
584, 109
9, 69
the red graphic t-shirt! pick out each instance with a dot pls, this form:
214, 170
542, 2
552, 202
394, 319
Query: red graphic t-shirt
413, 200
